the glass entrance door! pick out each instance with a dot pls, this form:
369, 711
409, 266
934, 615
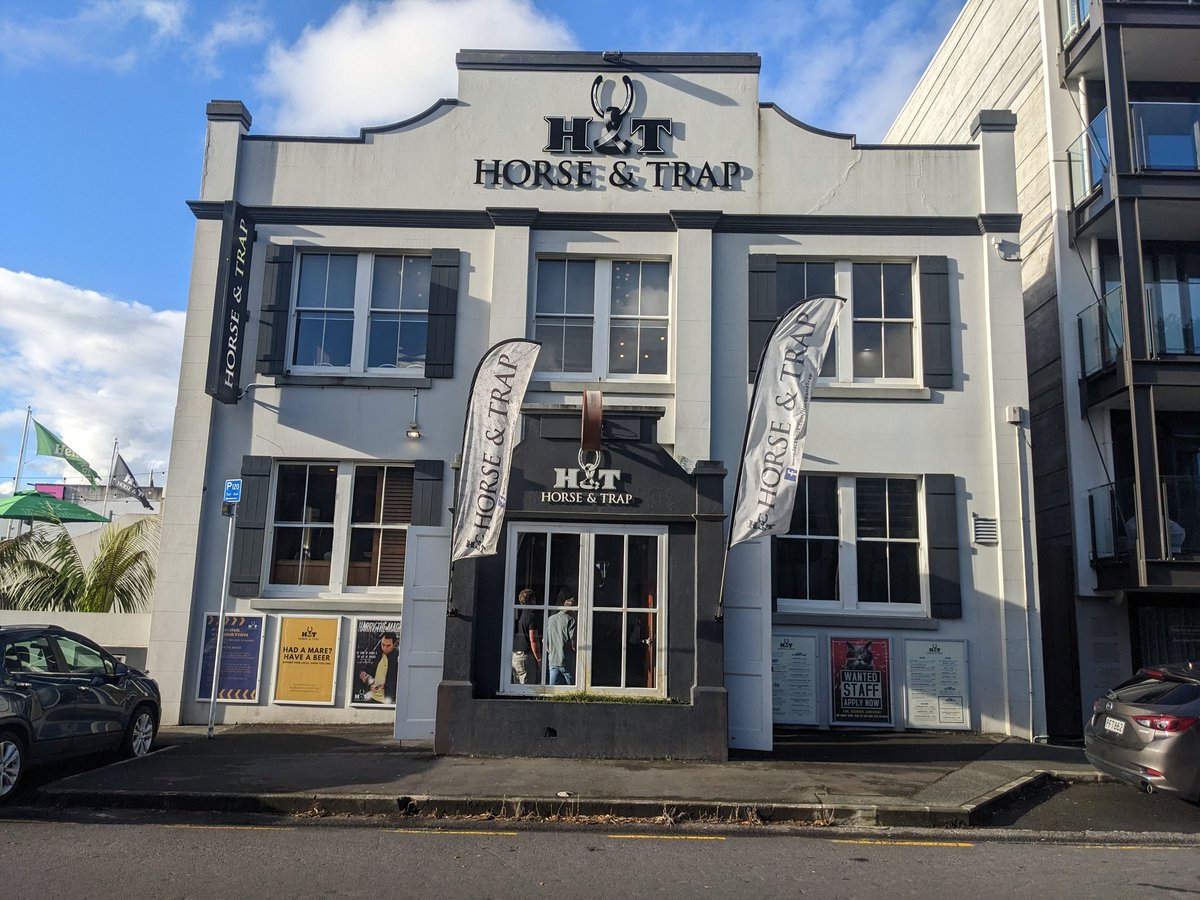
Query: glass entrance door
586, 609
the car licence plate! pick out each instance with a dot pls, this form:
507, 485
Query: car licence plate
1116, 726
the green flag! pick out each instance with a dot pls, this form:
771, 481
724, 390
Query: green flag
50, 444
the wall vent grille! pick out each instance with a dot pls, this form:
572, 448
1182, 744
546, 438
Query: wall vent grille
987, 531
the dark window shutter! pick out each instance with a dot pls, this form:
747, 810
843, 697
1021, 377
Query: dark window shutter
941, 515
763, 313
934, 273
276, 304
246, 574
427, 492
443, 308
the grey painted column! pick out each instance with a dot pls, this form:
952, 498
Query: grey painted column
509, 315
184, 543
693, 331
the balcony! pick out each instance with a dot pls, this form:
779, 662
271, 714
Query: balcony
1087, 158
1071, 16
1101, 333
1166, 137
1173, 310
1114, 530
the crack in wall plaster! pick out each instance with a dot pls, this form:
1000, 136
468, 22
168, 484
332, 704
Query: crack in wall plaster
828, 196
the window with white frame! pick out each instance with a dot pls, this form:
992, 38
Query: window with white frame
797, 279
882, 304
339, 526
599, 318
880, 315
361, 312
585, 609
854, 544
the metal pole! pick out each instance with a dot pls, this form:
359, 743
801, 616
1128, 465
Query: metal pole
20, 465
212, 700
108, 484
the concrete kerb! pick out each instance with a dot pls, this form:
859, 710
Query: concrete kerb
836, 813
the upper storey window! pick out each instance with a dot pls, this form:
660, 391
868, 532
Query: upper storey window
359, 312
601, 318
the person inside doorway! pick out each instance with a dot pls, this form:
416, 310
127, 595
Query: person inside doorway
560, 639
527, 640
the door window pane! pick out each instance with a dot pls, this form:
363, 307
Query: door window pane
601, 624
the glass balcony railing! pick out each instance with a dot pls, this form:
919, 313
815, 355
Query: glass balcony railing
1072, 14
1166, 136
1173, 309
1087, 158
1101, 333
1114, 527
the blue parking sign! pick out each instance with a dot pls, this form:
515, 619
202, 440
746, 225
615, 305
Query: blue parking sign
233, 491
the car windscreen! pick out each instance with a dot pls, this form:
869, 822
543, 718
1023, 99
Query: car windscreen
1156, 691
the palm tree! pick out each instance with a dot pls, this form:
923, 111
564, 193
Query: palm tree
46, 572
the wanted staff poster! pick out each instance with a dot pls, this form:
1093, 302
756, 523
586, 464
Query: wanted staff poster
861, 681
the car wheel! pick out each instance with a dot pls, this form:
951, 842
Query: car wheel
139, 736
12, 763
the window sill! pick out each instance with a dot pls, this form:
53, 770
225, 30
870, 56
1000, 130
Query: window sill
657, 388
407, 382
869, 392
847, 620
313, 604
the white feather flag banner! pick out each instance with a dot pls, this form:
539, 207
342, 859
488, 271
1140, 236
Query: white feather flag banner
489, 436
778, 421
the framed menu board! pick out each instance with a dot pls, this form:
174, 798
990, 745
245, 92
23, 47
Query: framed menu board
936, 685
794, 679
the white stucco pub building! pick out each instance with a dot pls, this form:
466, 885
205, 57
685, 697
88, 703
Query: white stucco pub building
647, 218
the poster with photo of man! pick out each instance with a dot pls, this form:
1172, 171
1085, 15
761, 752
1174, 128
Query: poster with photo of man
376, 660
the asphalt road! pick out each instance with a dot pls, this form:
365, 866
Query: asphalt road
209, 857
1114, 808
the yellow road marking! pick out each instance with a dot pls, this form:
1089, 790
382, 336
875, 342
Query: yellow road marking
1126, 847
229, 828
449, 831
905, 843
666, 837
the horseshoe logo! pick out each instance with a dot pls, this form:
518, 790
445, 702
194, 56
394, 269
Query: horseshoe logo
610, 140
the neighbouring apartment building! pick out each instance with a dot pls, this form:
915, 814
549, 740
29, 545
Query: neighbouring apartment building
647, 219
1107, 96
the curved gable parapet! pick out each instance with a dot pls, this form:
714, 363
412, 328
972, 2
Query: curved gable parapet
363, 133
852, 139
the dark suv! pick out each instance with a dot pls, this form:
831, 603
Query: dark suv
64, 695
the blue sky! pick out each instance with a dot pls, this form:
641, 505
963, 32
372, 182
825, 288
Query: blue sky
103, 127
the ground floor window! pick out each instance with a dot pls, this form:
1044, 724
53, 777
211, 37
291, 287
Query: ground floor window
339, 526
585, 609
854, 544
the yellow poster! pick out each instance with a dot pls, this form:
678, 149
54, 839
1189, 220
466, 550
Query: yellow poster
306, 664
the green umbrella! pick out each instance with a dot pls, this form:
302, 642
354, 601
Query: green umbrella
44, 508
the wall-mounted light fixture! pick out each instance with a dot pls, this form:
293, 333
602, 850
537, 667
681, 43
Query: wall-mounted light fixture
414, 430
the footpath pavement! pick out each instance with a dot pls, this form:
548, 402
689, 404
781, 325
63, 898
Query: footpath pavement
859, 778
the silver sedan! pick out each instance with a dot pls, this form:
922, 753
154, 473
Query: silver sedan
1146, 731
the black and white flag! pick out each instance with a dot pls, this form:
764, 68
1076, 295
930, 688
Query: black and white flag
778, 419
491, 432
122, 479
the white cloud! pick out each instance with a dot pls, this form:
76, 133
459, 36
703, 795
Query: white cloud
240, 26
92, 367
376, 64
119, 34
